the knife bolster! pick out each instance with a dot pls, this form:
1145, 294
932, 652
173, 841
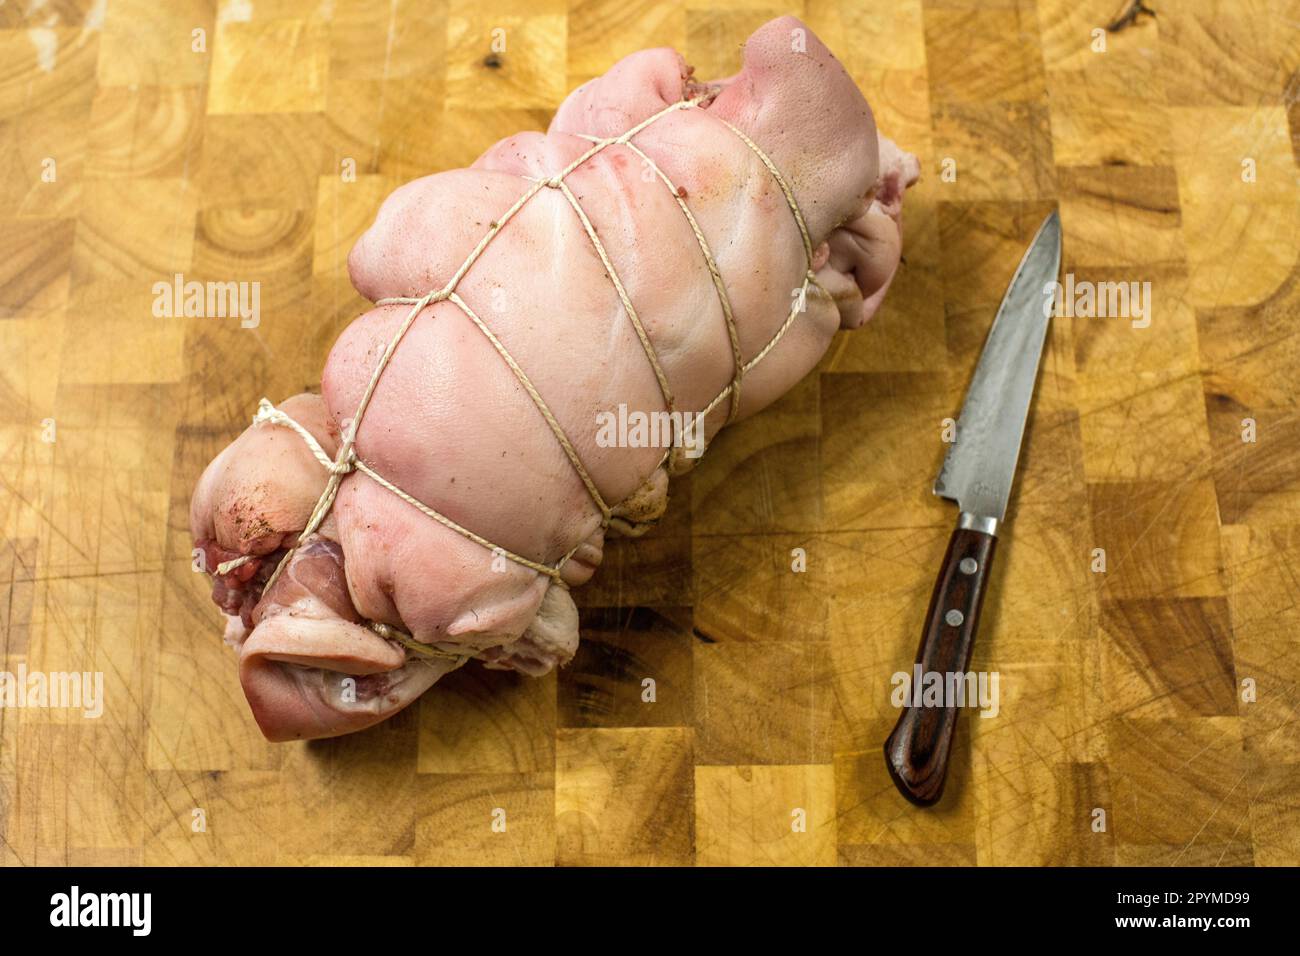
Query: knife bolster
972, 522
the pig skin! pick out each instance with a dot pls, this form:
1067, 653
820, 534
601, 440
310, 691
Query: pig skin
451, 425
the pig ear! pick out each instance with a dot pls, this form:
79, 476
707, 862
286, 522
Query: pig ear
550, 640
496, 619
863, 255
899, 171
264, 484
293, 672
330, 644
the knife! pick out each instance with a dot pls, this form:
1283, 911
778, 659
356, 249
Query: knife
977, 474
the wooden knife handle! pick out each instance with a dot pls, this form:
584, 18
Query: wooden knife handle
917, 751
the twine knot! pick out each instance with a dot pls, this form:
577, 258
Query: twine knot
346, 465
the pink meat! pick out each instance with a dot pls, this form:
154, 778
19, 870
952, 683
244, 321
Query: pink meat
450, 424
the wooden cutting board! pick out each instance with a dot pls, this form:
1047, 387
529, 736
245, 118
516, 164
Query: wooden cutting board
1148, 711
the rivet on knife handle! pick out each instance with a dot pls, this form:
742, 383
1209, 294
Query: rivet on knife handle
917, 751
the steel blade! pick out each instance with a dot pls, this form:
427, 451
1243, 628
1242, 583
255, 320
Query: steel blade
980, 465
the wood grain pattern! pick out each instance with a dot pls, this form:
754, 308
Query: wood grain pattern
1122, 690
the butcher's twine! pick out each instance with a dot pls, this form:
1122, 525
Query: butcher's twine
346, 461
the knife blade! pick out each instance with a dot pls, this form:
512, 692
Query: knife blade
977, 473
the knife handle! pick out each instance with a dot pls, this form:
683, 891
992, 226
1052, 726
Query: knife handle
917, 751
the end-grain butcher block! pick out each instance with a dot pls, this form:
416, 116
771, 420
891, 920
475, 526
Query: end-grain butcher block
670, 251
